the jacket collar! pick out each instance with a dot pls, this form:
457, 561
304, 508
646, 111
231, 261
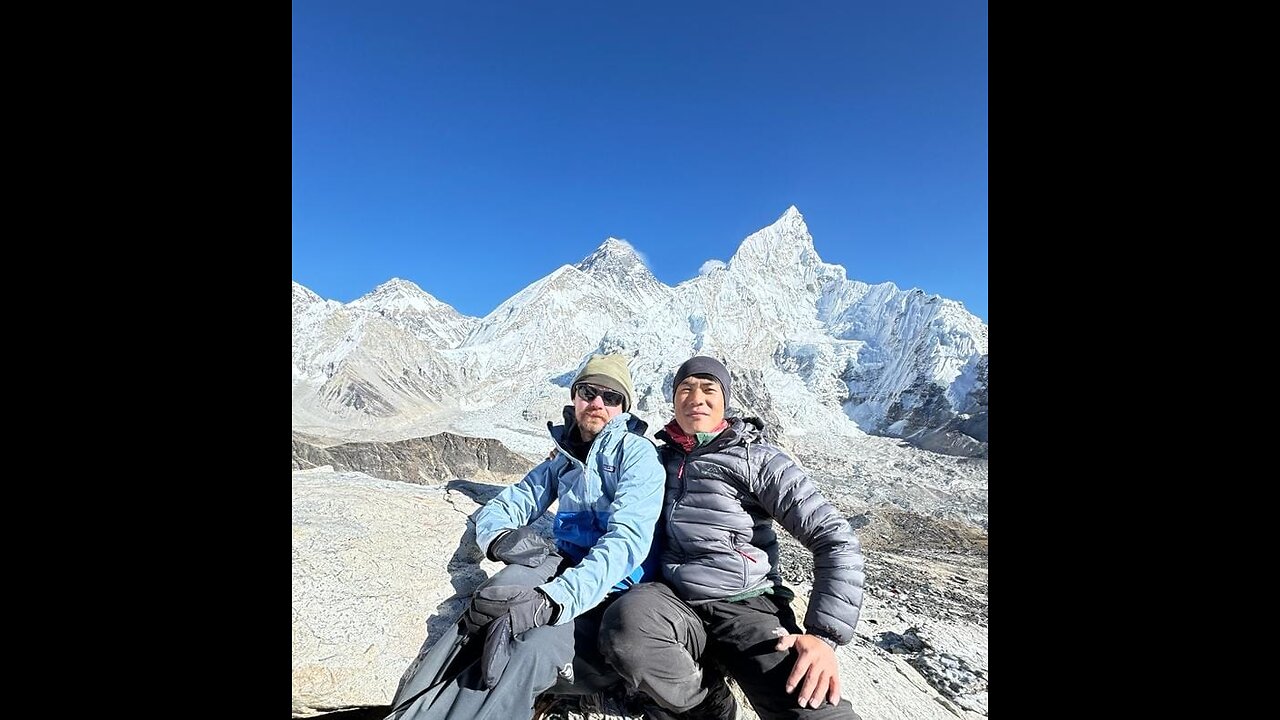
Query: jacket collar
677, 435
622, 422
735, 431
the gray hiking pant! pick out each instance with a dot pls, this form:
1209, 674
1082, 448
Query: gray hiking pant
664, 648
444, 683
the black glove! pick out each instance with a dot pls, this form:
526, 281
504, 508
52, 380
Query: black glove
527, 607
513, 610
521, 546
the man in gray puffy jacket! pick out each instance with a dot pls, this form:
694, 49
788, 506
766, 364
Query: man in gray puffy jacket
723, 596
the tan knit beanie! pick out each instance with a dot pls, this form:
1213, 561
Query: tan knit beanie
608, 371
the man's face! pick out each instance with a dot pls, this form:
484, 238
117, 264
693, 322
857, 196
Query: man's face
699, 405
592, 415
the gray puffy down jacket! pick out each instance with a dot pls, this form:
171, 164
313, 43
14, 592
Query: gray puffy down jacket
719, 509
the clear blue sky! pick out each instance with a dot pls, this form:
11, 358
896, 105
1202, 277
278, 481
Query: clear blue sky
474, 147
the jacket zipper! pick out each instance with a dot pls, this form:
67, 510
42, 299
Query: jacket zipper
683, 487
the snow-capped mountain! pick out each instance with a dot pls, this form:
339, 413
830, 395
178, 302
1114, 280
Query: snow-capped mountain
374, 361
617, 266
896, 362
825, 360
407, 305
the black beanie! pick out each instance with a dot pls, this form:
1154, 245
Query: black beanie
704, 365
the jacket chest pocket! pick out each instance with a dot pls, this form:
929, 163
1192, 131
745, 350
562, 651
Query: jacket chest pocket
607, 468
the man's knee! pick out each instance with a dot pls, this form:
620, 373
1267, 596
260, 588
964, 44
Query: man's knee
654, 641
646, 617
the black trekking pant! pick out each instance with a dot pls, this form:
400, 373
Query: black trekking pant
660, 645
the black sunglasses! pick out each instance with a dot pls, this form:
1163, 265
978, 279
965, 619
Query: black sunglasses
589, 392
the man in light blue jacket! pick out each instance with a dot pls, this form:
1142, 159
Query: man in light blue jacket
538, 618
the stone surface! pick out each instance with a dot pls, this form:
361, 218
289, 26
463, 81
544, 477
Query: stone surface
378, 566
381, 566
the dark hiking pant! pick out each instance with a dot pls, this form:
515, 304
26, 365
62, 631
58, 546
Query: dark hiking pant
663, 647
445, 683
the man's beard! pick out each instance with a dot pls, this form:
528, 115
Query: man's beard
590, 424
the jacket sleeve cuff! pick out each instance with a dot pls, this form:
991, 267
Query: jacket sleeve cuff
830, 641
485, 543
488, 552
560, 599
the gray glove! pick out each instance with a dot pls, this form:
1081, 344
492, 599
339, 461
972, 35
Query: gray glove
521, 546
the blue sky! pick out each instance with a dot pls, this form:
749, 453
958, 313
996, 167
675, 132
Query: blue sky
475, 147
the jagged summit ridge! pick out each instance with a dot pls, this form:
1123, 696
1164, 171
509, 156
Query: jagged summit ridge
785, 246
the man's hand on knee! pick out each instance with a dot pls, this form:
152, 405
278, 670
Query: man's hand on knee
816, 671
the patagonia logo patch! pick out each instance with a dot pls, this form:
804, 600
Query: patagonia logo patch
608, 468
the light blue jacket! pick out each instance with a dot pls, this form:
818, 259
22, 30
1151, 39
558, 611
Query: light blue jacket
606, 518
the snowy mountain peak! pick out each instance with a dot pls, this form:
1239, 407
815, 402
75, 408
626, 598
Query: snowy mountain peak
784, 244
308, 307
618, 267
398, 295
302, 296
395, 290
399, 284
612, 256
409, 306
